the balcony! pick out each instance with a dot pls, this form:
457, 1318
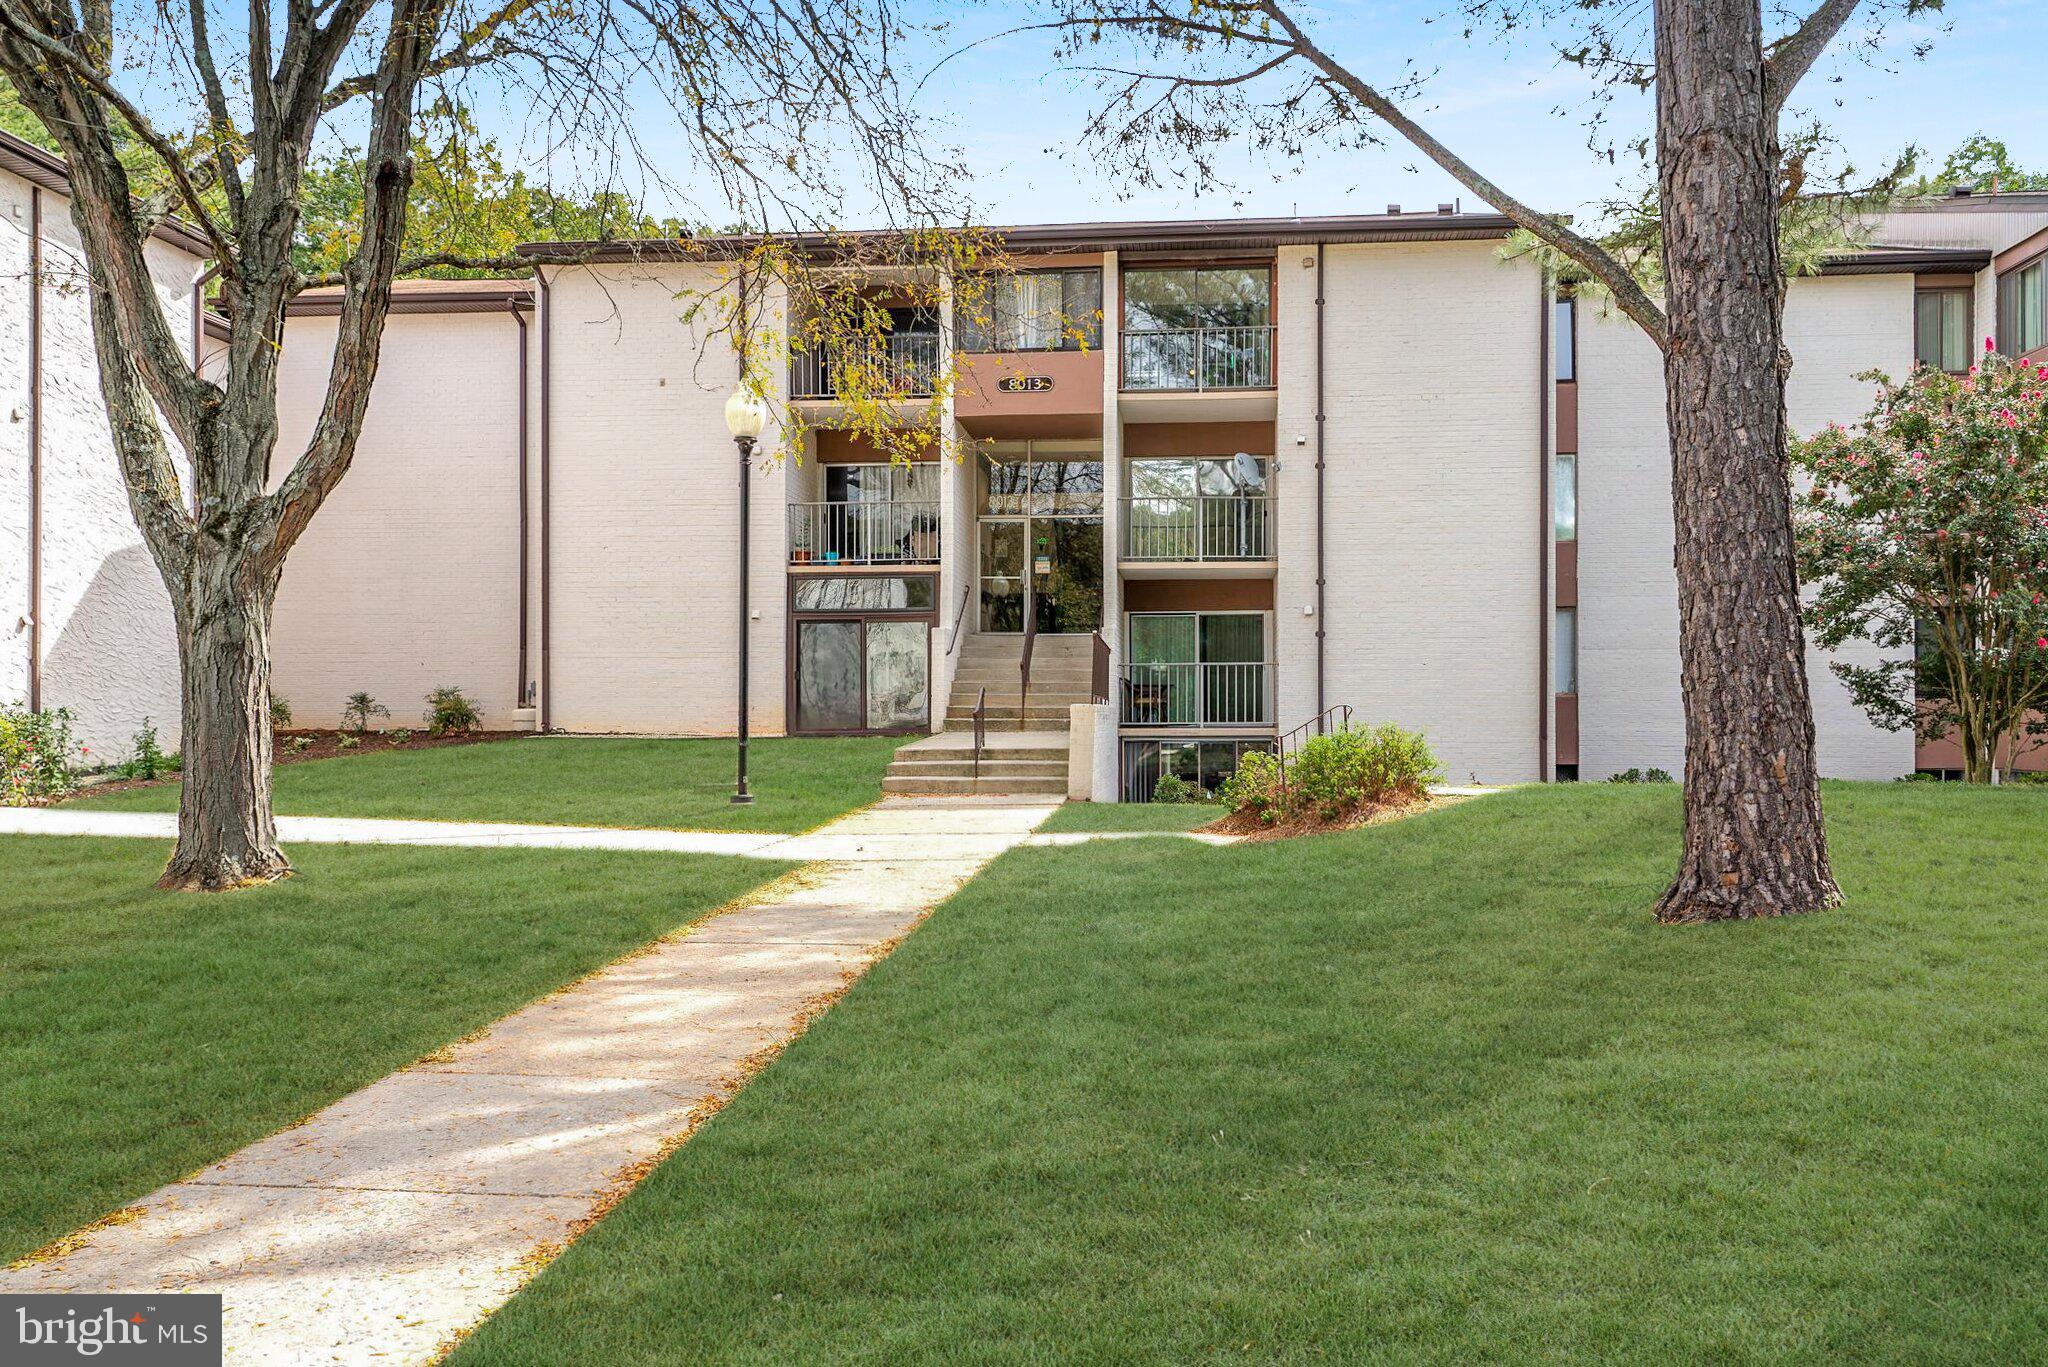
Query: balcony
906, 367
1198, 360
1193, 529
869, 532
1197, 695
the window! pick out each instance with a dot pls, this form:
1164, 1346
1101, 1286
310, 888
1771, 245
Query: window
882, 482
1566, 342
1197, 669
1567, 669
1206, 762
2020, 309
1565, 493
865, 593
1035, 311
1215, 297
1941, 329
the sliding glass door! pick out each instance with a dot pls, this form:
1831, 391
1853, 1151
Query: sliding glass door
860, 654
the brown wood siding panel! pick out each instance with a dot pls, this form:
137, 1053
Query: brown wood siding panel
1198, 438
1947, 754
1075, 399
851, 448
1567, 728
1567, 574
1568, 417
1198, 595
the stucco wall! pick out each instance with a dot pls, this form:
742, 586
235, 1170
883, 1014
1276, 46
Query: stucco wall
108, 649
1432, 498
646, 522
1629, 706
408, 577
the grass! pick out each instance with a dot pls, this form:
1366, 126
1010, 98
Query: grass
1434, 1091
798, 783
1133, 816
146, 1034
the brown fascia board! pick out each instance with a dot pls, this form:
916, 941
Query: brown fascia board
47, 169
1907, 260
1209, 235
1984, 202
490, 296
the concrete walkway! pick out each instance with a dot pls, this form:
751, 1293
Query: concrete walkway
381, 1228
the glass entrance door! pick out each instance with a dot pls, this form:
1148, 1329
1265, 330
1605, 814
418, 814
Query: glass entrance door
1041, 533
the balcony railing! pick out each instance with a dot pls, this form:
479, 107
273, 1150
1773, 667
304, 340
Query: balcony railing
908, 365
1198, 527
1199, 358
1198, 694
872, 532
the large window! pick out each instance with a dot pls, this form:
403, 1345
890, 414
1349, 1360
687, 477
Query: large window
1941, 329
1034, 311
1565, 493
861, 654
1197, 669
1204, 762
1204, 328
1211, 297
1197, 508
2020, 309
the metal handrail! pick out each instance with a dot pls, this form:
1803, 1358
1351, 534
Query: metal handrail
980, 730
1199, 358
865, 532
909, 362
1030, 643
1198, 527
1342, 711
1190, 693
959, 618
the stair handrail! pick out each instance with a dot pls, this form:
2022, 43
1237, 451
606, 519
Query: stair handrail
1030, 641
959, 618
1342, 712
980, 731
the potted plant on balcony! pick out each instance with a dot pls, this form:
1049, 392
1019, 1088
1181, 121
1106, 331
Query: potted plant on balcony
800, 545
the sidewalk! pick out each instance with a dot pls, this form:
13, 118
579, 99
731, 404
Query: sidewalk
380, 1228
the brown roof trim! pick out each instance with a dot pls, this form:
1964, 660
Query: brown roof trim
426, 296
1904, 260
1983, 202
2022, 252
47, 169
216, 325
1211, 235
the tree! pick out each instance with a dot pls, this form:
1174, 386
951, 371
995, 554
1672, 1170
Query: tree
1983, 164
784, 106
1184, 77
1926, 531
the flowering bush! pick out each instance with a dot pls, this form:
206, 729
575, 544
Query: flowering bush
1926, 531
35, 755
1333, 776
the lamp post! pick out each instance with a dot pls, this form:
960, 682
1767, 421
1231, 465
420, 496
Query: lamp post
745, 415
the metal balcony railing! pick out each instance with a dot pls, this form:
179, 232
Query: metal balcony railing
1199, 358
1198, 694
873, 532
908, 365
1198, 527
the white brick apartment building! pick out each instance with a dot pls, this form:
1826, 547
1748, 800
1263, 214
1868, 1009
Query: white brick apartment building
84, 619
1300, 464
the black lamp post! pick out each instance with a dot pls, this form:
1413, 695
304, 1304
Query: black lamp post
745, 415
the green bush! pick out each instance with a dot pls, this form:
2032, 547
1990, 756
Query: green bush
449, 712
400, 735
280, 713
1335, 775
148, 760
299, 744
1641, 776
35, 755
348, 740
356, 713
1175, 789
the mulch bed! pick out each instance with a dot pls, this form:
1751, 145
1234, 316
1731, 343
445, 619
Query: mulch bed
326, 745
1248, 827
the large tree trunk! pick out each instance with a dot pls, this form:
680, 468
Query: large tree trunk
227, 837
1754, 842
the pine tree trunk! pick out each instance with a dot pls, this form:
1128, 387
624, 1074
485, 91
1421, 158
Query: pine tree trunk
227, 837
1754, 842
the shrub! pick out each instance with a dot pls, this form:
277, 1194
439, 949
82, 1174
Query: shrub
280, 712
298, 745
1173, 788
356, 713
348, 740
35, 755
1641, 776
400, 735
449, 712
1334, 776
148, 760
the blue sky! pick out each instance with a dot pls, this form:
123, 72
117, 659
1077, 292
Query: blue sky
1497, 103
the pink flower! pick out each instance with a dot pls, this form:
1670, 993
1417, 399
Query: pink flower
1990, 345
2041, 643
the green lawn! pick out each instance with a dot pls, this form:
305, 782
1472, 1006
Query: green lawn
146, 1034
798, 783
1434, 1091
1133, 816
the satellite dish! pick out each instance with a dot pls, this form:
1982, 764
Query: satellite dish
1244, 471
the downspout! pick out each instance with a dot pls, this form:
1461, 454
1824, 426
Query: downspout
547, 328
1546, 539
519, 690
35, 448
1321, 616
